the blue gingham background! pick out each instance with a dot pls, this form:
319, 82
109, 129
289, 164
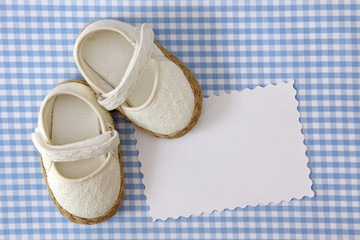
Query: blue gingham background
228, 45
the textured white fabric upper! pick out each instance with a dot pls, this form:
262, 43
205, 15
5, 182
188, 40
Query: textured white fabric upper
93, 195
171, 108
171, 104
89, 198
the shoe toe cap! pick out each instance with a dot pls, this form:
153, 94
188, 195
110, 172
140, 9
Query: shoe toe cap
91, 198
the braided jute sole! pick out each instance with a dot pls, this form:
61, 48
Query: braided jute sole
89, 221
198, 97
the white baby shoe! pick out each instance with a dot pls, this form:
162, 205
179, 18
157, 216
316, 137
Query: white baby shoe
130, 72
79, 151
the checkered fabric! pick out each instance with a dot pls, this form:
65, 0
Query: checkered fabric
229, 45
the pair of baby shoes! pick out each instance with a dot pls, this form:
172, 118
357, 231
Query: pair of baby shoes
124, 69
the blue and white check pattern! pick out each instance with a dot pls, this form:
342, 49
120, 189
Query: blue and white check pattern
228, 45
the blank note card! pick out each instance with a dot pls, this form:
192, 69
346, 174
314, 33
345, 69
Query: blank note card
247, 149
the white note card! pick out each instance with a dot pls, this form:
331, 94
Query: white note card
247, 149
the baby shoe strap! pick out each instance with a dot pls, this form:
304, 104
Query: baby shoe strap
138, 63
88, 148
